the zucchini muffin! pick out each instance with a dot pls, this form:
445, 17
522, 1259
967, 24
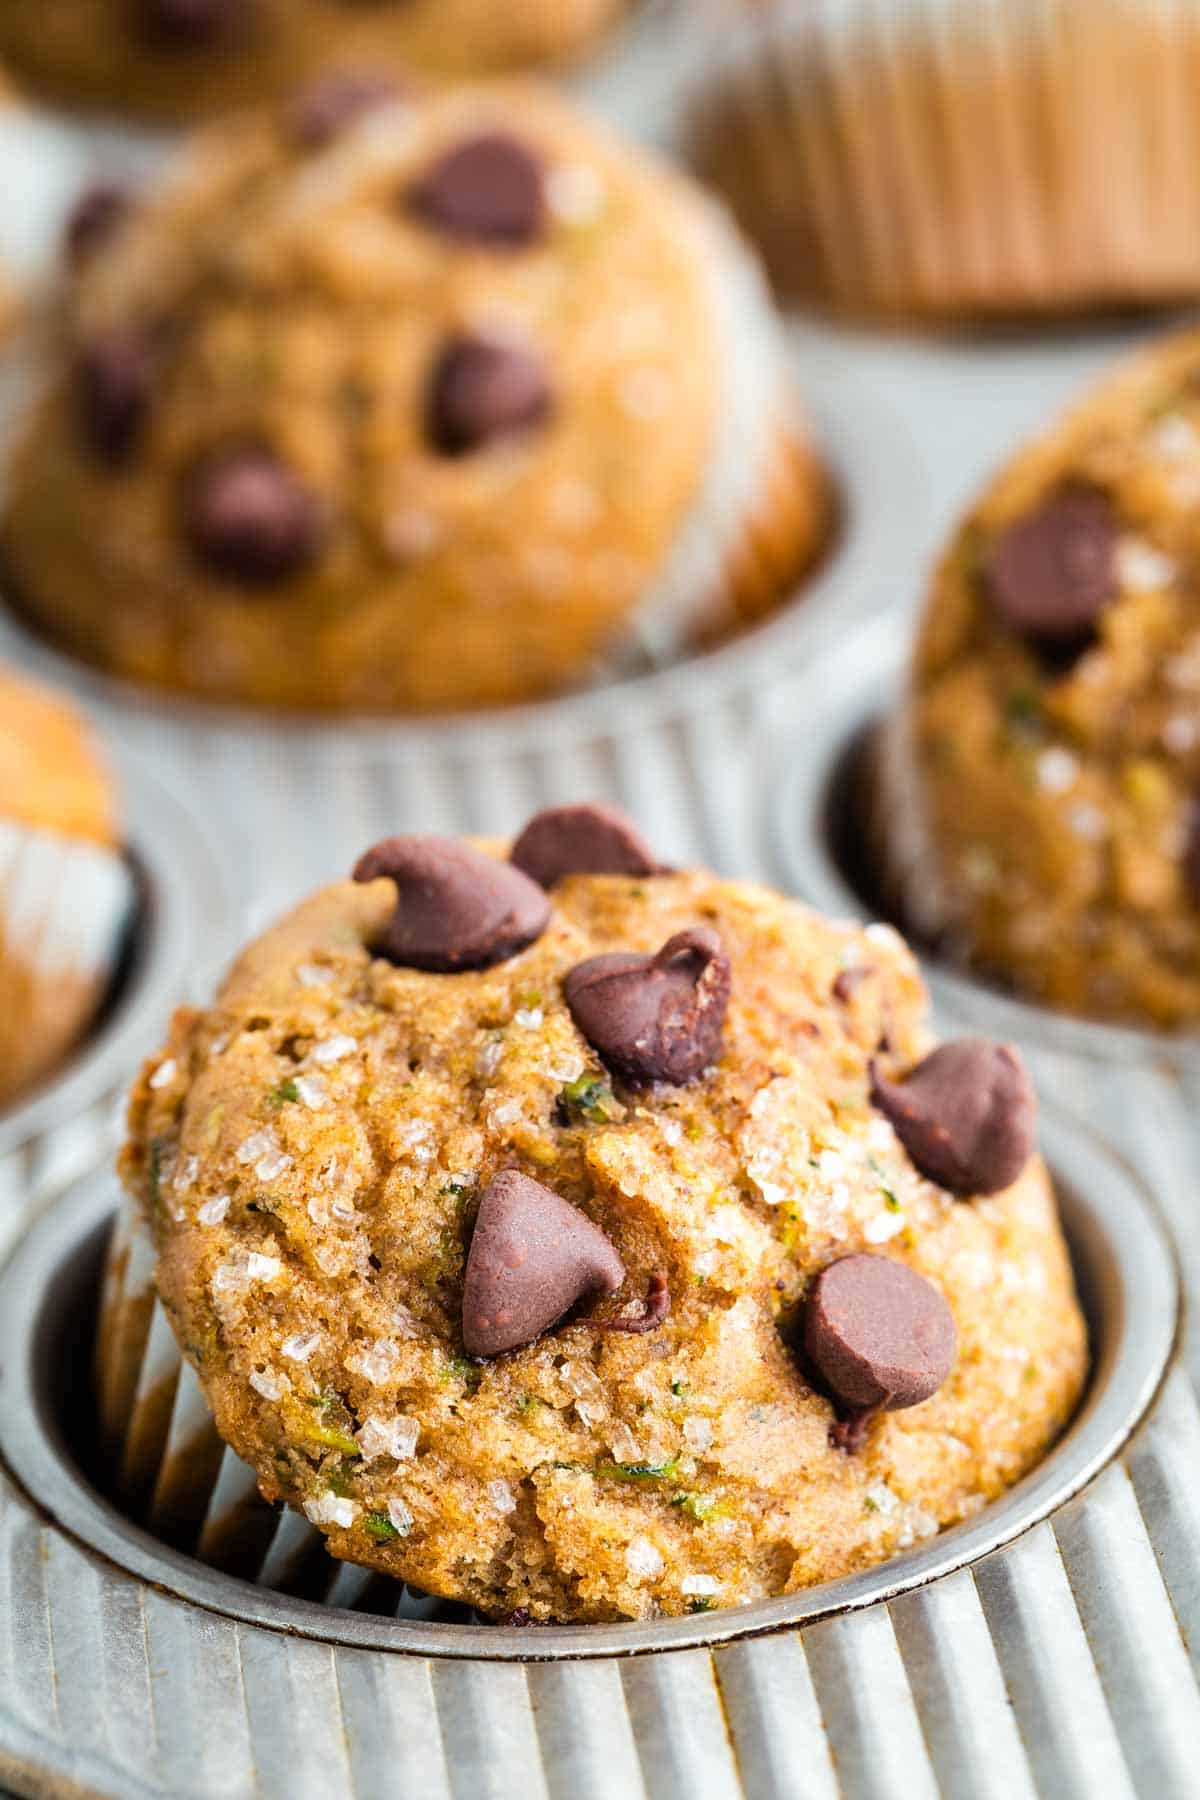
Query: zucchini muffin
392, 403
1045, 778
65, 891
958, 159
182, 59
604, 1249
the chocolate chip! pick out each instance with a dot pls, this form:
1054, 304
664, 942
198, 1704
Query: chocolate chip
187, 24
96, 216
644, 1315
250, 519
966, 1115
582, 840
321, 111
1191, 853
481, 390
847, 981
457, 909
655, 1018
532, 1257
880, 1337
114, 379
488, 190
1051, 574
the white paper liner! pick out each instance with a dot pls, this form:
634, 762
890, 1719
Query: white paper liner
963, 156
65, 907
756, 413
165, 1465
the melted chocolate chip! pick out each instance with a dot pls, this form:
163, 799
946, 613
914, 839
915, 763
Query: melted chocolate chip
188, 24
966, 1115
1051, 574
488, 190
532, 1257
655, 1018
95, 218
880, 1336
251, 521
323, 110
456, 908
1191, 853
645, 1315
114, 383
582, 840
482, 390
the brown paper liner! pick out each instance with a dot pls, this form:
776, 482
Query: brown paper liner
946, 158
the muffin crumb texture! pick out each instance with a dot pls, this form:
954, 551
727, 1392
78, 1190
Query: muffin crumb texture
1047, 815
314, 1152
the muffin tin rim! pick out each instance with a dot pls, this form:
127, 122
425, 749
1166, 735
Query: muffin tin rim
880, 499
849, 688
175, 865
1140, 1318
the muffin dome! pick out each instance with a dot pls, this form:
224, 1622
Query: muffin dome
584, 1269
65, 892
184, 58
1049, 757
397, 403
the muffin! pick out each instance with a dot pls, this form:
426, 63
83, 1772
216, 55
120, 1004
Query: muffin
944, 159
181, 59
601, 1249
1041, 803
65, 891
399, 403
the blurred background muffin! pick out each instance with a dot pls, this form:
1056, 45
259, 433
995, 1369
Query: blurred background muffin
167, 59
948, 158
402, 403
66, 893
1046, 790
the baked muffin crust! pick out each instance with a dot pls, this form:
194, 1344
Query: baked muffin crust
119, 54
1050, 752
417, 413
311, 1152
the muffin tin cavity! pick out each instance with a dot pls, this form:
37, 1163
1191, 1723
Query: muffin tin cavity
219, 1547
177, 932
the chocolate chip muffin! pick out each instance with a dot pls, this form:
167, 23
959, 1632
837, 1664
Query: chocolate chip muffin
604, 1249
1041, 801
65, 890
182, 59
409, 404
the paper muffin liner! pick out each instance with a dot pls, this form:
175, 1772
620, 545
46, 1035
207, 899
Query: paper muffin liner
65, 908
940, 157
163, 1462
764, 508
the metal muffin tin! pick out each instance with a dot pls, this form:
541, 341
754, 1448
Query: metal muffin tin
180, 930
757, 1700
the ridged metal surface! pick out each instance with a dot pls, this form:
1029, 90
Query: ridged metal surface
1058, 1667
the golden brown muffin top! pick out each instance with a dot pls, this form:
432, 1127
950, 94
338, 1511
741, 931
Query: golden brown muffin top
467, 344
316, 1152
1055, 722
